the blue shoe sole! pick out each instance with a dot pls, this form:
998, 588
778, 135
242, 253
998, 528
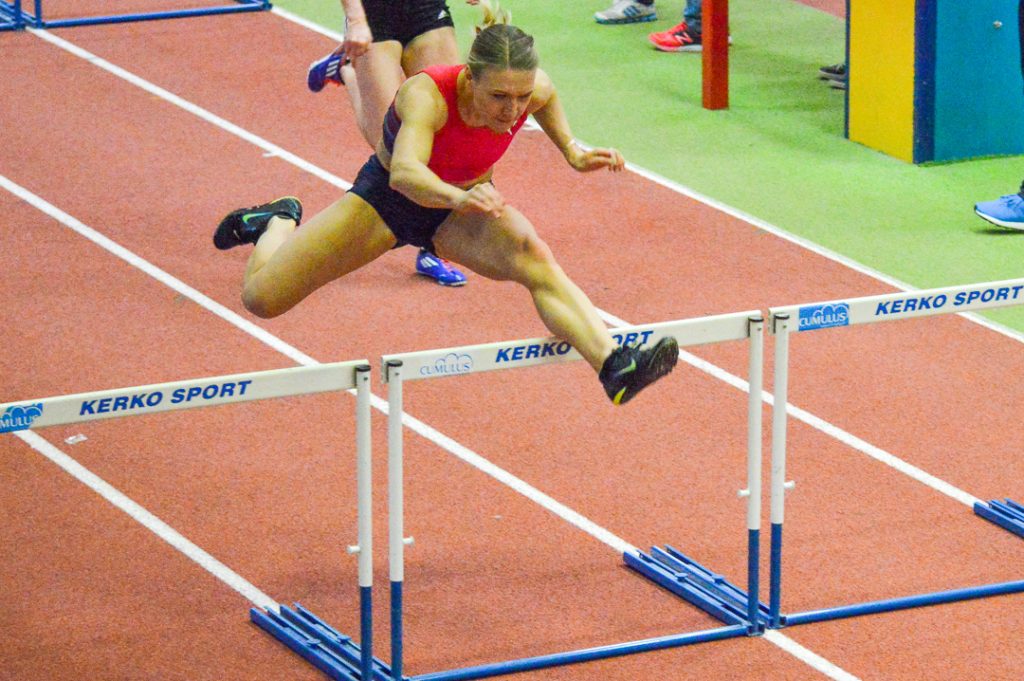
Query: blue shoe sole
450, 284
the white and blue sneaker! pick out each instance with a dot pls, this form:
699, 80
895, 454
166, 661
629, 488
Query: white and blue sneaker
626, 12
438, 269
1006, 211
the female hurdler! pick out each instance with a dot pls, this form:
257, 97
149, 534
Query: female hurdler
428, 184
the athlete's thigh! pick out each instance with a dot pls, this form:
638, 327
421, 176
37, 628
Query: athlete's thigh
379, 75
437, 46
339, 239
497, 248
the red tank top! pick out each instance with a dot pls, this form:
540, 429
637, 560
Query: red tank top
460, 153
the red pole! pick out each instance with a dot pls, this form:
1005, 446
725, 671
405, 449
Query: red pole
715, 58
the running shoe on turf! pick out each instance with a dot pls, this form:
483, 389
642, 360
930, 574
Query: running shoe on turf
326, 70
833, 72
438, 269
1006, 211
246, 225
679, 38
626, 12
628, 370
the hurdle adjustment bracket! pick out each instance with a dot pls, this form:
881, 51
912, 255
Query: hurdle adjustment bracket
691, 581
1008, 514
333, 653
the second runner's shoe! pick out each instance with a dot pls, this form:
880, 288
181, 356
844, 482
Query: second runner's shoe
246, 225
326, 70
438, 269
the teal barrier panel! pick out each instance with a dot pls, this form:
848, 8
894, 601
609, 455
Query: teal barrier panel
978, 88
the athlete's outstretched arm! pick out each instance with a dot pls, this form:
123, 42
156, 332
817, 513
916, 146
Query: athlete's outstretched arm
547, 110
422, 110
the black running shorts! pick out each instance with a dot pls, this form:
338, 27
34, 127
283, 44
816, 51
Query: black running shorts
404, 20
410, 222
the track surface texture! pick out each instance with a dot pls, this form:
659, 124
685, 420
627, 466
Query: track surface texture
267, 489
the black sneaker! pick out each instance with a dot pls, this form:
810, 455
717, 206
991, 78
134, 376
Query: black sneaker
833, 72
628, 370
246, 225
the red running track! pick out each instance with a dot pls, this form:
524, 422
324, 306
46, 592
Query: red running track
268, 488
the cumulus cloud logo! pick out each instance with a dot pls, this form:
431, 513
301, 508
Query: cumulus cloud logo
824, 316
20, 417
449, 365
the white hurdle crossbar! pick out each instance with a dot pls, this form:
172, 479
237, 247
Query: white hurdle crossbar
412, 366
850, 312
231, 389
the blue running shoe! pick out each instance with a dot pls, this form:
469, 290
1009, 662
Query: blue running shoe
438, 269
326, 70
1006, 211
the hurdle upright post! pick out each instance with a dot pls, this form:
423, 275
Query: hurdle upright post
396, 509
753, 490
364, 485
780, 327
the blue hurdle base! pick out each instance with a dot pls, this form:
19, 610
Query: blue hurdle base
693, 582
333, 653
1007, 514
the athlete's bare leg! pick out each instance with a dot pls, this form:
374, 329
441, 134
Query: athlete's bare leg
430, 49
508, 248
288, 264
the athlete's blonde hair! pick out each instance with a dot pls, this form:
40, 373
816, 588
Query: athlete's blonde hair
499, 45
493, 13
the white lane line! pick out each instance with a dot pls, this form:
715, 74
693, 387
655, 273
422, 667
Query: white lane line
808, 656
820, 424
149, 521
194, 109
810, 245
306, 23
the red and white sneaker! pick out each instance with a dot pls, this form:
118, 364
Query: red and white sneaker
677, 39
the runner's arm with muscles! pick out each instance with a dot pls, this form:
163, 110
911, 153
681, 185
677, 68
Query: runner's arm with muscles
422, 110
547, 110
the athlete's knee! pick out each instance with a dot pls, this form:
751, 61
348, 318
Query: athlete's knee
260, 304
535, 259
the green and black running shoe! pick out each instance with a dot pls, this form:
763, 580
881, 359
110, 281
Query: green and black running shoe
628, 370
246, 225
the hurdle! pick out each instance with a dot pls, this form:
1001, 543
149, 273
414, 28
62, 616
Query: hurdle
843, 313
18, 17
11, 16
300, 630
741, 618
